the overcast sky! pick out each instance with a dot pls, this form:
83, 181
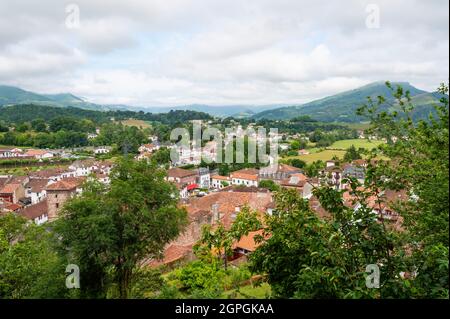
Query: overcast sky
176, 52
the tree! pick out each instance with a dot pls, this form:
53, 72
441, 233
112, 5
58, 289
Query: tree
23, 127
351, 154
327, 257
39, 125
161, 156
29, 264
108, 231
270, 185
312, 170
217, 240
420, 166
296, 162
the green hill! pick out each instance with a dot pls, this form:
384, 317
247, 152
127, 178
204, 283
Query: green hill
10, 95
342, 107
13, 95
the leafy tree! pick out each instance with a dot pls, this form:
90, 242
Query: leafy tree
312, 170
270, 185
217, 240
39, 125
201, 279
327, 257
3, 127
296, 162
162, 156
420, 166
29, 265
23, 127
351, 154
109, 231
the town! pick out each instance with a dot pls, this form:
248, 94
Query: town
208, 196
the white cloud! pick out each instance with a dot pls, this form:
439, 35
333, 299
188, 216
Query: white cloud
161, 52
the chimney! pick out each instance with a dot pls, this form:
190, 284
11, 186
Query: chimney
215, 212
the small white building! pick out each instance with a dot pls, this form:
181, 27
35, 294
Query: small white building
246, 177
39, 154
204, 177
102, 150
219, 182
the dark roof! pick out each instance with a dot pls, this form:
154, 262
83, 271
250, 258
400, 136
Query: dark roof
66, 184
36, 210
37, 185
180, 173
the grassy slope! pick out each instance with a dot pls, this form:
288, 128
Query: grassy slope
137, 123
336, 149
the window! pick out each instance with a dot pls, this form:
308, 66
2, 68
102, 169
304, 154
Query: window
57, 205
56, 195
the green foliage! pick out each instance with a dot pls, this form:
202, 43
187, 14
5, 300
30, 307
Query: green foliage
29, 265
296, 162
352, 154
419, 151
312, 170
109, 231
200, 276
161, 156
126, 138
217, 241
307, 257
270, 185
146, 283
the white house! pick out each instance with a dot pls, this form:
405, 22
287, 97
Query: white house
102, 150
204, 177
35, 189
39, 154
150, 148
83, 168
38, 213
219, 182
8, 153
246, 177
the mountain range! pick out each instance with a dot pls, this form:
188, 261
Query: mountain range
340, 107
10, 95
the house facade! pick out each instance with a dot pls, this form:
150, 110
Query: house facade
245, 177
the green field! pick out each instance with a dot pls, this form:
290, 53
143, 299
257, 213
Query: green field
358, 143
356, 126
137, 123
21, 171
12, 146
336, 149
323, 156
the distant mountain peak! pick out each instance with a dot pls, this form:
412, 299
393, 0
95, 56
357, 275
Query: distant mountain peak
341, 106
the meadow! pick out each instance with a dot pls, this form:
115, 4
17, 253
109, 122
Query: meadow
336, 149
137, 123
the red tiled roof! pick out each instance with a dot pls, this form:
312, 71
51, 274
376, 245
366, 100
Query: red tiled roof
227, 202
9, 188
37, 185
66, 184
171, 254
248, 174
35, 152
248, 242
221, 178
48, 173
13, 207
36, 210
180, 173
